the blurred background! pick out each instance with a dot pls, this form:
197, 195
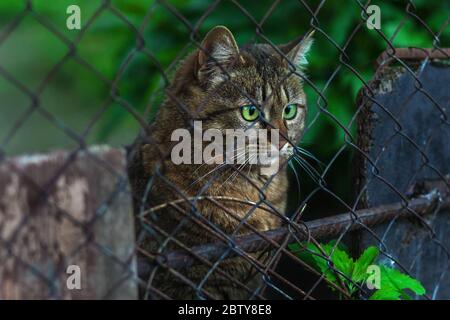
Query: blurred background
75, 96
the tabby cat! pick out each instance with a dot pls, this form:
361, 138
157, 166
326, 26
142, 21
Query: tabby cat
224, 86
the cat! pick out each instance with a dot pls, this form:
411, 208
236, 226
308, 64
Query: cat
224, 86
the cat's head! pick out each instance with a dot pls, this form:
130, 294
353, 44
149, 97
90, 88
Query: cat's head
254, 86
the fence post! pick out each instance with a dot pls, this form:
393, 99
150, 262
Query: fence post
404, 130
65, 209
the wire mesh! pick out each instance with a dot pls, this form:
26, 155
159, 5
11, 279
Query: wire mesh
184, 252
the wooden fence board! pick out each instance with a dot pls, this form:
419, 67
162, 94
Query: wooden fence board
58, 210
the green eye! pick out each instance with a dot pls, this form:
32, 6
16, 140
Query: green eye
249, 112
290, 111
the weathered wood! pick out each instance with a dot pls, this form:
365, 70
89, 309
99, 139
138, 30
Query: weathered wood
63, 209
400, 163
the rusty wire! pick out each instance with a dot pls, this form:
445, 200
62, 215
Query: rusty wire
226, 246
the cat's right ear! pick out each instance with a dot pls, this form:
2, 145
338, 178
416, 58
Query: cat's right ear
218, 50
297, 50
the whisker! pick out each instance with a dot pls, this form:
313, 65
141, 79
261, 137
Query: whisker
310, 170
236, 171
238, 155
239, 169
296, 175
308, 154
216, 156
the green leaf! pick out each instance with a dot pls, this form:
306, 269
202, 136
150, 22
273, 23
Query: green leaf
340, 245
393, 278
393, 282
340, 259
386, 294
310, 254
364, 261
314, 257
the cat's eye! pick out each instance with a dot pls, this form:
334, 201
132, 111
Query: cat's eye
249, 112
290, 111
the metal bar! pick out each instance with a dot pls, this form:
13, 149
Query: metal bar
320, 228
386, 57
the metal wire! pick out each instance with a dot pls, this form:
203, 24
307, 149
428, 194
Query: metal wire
267, 252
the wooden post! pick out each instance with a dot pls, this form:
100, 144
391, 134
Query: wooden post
65, 209
409, 145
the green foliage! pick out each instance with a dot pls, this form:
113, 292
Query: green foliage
351, 275
392, 280
74, 93
110, 38
363, 262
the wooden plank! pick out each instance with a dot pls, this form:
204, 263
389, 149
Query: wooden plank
63, 209
399, 162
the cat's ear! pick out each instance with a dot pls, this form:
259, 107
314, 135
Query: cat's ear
297, 50
217, 48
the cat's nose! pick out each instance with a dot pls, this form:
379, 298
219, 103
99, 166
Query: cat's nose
282, 133
282, 142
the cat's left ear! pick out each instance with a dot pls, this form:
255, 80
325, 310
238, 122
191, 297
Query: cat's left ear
219, 48
297, 50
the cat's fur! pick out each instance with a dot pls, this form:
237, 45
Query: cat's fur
210, 85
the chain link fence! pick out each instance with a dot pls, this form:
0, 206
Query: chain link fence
134, 231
